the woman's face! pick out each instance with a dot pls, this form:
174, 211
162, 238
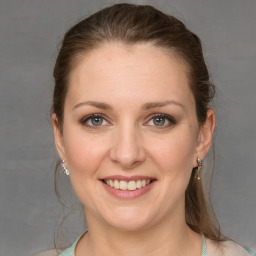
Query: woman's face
130, 122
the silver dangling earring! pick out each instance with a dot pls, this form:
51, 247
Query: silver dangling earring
198, 168
66, 171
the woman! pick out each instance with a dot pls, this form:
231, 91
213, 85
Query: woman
132, 124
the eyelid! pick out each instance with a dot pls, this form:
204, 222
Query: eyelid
169, 118
84, 119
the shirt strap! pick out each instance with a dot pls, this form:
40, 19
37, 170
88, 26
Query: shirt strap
250, 251
204, 249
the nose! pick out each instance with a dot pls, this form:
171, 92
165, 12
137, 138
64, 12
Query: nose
127, 149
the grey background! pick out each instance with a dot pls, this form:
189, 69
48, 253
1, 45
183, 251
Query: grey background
29, 34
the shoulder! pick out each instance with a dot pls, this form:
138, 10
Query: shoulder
227, 248
47, 253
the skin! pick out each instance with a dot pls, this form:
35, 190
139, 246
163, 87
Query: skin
129, 143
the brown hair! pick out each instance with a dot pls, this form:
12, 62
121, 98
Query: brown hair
131, 24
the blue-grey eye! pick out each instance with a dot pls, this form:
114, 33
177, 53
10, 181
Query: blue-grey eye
96, 120
159, 121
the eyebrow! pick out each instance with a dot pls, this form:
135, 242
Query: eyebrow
150, 105
96, 104
145, 106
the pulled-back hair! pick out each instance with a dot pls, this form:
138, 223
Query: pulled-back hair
130, 24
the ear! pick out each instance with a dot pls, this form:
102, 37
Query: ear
205, 136
58, 136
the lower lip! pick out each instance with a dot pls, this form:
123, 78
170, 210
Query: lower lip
128, 194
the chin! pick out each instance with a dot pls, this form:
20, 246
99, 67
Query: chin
129, 219
129, 226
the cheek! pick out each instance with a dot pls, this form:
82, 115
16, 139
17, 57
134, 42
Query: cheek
84, 153
175, 153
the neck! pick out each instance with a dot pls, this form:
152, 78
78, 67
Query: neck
172, 238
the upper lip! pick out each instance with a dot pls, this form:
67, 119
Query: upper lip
128, 178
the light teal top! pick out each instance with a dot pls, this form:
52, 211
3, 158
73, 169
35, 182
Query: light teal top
71, 250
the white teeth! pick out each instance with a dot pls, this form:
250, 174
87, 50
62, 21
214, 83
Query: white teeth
132, 185
116, 184
139, 184
124, 185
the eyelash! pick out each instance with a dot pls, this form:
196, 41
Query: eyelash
84, 120
170, 119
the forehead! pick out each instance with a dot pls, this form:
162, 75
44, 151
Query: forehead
140, 69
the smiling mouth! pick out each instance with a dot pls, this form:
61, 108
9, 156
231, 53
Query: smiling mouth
128, 185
